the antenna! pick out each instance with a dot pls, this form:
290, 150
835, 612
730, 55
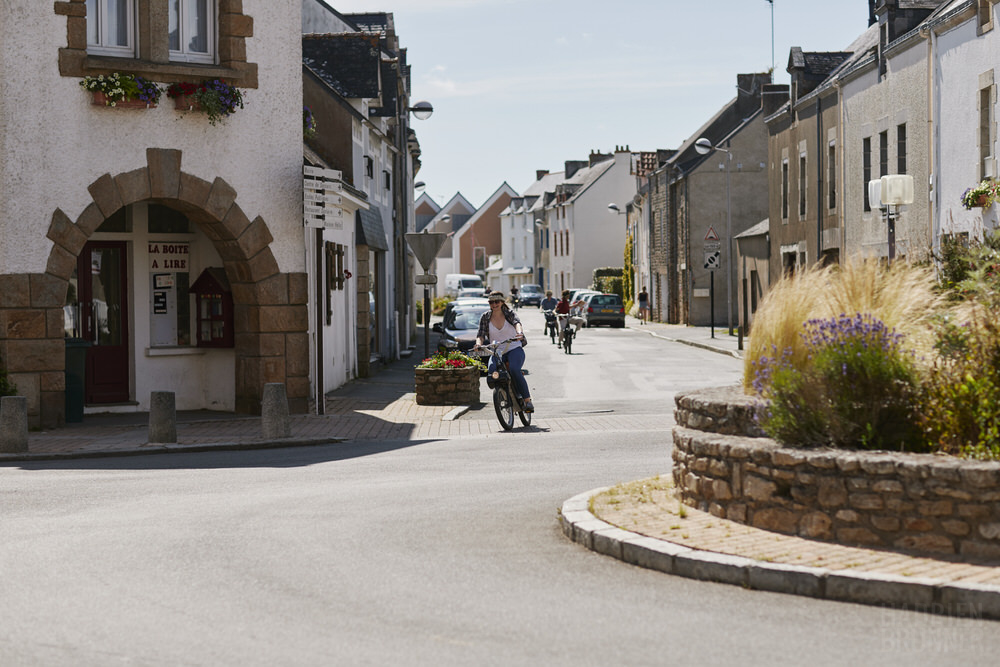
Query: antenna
772, 38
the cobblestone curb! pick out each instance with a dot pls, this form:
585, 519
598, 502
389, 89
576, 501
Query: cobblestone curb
909, 593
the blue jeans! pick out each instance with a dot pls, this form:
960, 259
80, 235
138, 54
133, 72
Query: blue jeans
515, 360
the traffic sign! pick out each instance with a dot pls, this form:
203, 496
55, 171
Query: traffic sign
712, 235
712, 260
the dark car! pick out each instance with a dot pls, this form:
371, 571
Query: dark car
531, 295
459, 326
603, 309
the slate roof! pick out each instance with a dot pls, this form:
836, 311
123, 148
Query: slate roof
816, 63
347, 62
369, 229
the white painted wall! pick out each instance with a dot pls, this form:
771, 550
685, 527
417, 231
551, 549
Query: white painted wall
55, 143
960, 58
598, 234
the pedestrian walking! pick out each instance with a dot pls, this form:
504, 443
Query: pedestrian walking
643, 305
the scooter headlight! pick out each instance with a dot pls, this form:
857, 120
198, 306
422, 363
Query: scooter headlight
496, 375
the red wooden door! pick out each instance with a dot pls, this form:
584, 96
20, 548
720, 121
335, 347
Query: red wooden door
104, 320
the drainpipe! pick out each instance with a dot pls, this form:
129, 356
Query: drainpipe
926, 32
819, 178
841, 169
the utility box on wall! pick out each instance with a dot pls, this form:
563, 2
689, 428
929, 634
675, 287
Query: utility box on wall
214, 305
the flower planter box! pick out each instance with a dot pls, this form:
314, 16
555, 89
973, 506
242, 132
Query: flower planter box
101, 100
186, 103
981, 201
447, 386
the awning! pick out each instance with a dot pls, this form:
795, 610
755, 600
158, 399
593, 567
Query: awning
369, 229
517, 271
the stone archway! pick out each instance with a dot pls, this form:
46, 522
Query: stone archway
271, 317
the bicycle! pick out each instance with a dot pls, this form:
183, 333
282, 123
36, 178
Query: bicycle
567, 333
506, 400
551, 326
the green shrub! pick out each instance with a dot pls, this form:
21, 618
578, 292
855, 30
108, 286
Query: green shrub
858, 390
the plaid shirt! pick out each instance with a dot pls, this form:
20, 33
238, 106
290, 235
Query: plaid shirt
484, 322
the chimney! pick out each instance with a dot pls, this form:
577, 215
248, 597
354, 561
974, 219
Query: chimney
597, 156
573, 166
773, 96
539, 173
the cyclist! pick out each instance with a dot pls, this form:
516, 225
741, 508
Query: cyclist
501, 323
513, 297
549, 302
563, 308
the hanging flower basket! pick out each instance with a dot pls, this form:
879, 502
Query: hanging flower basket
982, 195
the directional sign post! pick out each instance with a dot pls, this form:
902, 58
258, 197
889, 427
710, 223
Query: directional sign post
425, 246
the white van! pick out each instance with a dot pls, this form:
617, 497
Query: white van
457, 282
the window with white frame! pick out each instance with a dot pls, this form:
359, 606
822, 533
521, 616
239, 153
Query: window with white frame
192, 30
111, 27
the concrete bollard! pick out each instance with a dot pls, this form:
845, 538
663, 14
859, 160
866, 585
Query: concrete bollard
162, 417
13, 424
274, 412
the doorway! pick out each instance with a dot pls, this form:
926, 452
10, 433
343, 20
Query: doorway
102, 304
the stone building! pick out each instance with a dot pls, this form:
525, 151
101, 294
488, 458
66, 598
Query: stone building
699, 203
110, 216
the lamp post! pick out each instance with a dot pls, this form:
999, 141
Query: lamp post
703, 146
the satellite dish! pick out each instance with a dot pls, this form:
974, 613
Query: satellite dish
636, 200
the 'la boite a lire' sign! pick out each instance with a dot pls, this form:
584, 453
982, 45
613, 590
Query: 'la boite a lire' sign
169, 257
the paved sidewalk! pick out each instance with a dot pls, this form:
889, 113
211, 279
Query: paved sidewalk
716, 340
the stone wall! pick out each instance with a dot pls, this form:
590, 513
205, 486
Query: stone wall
915, 502
436, 386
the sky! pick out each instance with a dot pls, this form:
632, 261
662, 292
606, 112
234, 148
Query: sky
523, 85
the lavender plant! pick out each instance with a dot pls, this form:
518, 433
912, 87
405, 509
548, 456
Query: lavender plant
857, 389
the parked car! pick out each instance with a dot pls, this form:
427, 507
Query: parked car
459, 327
463, 301
531, 295
576, 295
603, 309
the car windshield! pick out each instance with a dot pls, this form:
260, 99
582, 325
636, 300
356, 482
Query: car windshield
605, 300
467, 319
471, 282
533, 289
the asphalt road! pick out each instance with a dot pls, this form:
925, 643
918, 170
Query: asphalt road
441, 552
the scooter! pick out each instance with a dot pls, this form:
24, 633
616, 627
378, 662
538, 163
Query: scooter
506, 400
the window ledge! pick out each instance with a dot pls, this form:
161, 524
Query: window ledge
174, 351
80, 63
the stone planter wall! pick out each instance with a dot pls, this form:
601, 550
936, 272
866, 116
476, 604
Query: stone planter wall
916, 502
438, 386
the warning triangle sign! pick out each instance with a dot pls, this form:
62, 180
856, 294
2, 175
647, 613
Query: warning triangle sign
711, 236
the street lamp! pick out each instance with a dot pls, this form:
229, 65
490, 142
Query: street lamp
422, 110
614, 207
703, 147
